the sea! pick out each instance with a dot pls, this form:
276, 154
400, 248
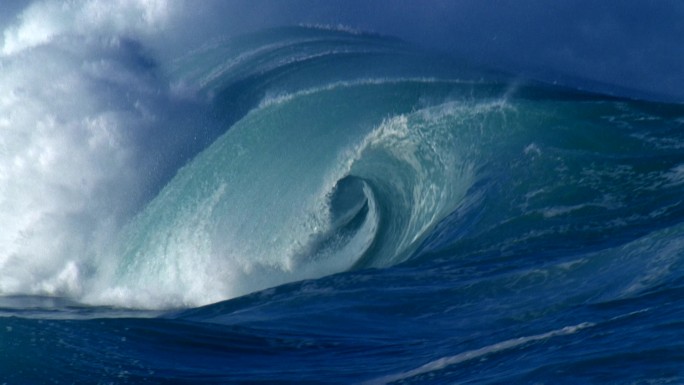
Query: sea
315, 204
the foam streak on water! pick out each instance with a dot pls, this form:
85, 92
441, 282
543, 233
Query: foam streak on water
443, 362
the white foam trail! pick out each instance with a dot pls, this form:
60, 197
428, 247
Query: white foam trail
443, 362
282, 98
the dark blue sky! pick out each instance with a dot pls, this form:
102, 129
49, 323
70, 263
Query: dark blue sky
635, 44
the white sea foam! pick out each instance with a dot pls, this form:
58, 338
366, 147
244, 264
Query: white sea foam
44, 21
83, 113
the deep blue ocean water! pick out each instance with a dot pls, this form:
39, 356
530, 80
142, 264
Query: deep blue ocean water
309, 205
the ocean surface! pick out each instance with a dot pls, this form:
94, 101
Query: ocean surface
322, 205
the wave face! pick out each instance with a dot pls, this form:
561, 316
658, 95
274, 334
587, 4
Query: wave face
307, 203
330, 169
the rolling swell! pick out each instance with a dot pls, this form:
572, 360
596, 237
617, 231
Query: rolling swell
327, 151
317, 112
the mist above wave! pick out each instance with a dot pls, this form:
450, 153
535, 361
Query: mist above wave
90, 130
